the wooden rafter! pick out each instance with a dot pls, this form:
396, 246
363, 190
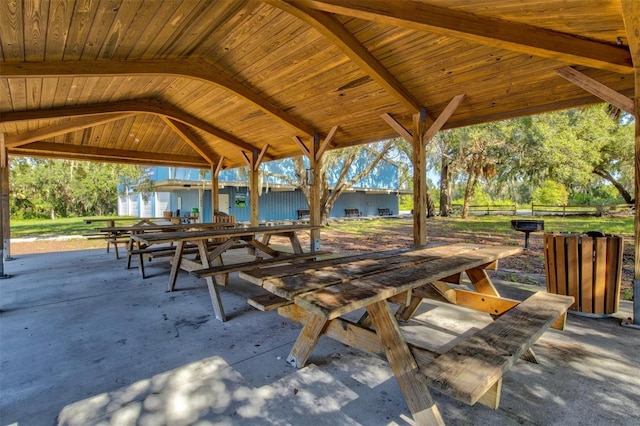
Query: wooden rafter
218, 168
331, 28
54, 150
195, 68
148, 106
14, 141
442, 118
325, 143
513, 36
595, 87
260, 158
190, 138
302, 146
395, 125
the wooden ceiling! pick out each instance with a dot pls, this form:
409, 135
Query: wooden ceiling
192, 83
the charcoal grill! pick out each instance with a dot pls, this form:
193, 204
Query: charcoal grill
527, 226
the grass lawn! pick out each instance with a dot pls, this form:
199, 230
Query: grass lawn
494, 225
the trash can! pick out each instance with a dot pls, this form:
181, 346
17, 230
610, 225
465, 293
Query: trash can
587, 267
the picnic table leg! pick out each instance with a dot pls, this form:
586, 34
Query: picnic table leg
295, 243
307, 340
175, 265
129, 248
211, 284
404, 366
482, 283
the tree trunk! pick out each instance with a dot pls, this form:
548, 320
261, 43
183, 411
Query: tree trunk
431, 207
621, 189
445, 188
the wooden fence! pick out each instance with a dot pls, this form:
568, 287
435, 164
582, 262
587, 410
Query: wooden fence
581, 210
487, 209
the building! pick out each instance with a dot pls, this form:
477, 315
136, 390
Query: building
189, 190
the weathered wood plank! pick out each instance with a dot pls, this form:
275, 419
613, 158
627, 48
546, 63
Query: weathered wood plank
469, 369
404, 366
338, 299
288, 281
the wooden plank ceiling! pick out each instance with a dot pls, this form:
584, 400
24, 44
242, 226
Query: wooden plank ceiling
191, 83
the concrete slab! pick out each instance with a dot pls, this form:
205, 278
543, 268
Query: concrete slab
84, 341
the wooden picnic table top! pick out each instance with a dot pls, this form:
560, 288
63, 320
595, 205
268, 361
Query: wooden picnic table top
336, 286
181, 236
168, 227
122, 219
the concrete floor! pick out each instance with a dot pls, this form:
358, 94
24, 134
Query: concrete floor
83, 341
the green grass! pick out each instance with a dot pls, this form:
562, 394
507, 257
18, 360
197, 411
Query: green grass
493, 225
56, 227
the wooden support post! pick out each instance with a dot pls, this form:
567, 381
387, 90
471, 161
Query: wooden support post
631, 13
254, 189
419, 181
636, 274
5, 228
315, 215
215, 193
4, 206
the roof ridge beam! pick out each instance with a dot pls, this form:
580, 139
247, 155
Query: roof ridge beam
517, 37
331, 28
195, 68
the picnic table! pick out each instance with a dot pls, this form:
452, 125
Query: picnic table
116, 238
319, 294
150, 227
225, 239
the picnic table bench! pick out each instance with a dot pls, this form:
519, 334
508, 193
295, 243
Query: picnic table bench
319, 294
384, 211
352, 212
303, 213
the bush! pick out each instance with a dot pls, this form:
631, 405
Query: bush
550, 193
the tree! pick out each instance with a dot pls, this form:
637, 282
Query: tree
60, 188
550, 193
342, 167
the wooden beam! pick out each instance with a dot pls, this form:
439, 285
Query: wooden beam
514, 36
218, 168
419, 182
325, 143
62, 128
148, 106
442, 118
187, 135
331, 28
194, 68
5, 210
302, 146
595, 87
631, 15
395, 125
254, 188
247, 160
56, 150
258, 161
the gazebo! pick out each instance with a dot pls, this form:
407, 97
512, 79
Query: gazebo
223, 84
